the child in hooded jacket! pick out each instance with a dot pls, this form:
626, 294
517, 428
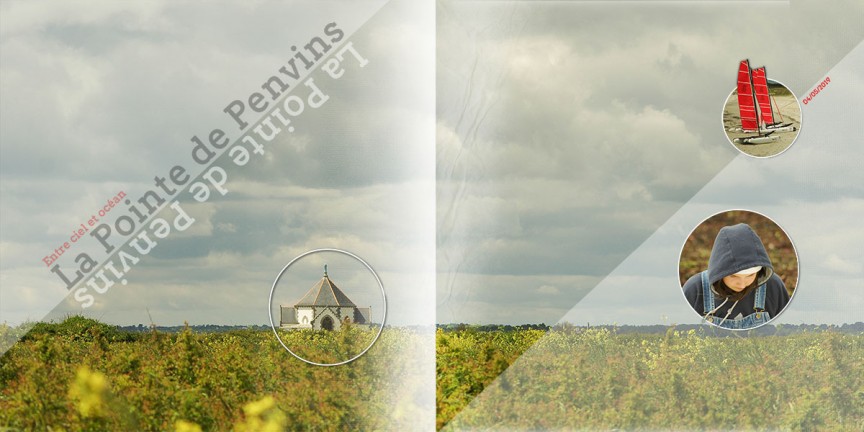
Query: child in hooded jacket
740, 289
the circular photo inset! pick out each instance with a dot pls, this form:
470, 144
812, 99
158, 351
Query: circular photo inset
327, 307
761, 117
738, 270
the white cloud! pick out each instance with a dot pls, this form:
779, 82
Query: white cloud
548, 289
845, 266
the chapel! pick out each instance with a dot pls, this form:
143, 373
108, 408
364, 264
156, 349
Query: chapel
323, 307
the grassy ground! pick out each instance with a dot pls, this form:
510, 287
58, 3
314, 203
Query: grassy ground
595, 379
83, 375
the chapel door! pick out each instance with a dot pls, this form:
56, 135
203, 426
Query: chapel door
327, 323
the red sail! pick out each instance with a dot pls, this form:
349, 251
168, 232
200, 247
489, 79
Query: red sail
760, 86
746, 105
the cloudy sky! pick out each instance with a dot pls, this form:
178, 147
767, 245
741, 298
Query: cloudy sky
102, 98
494, 165
569, 133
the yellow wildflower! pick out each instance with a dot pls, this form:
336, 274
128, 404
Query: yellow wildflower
89, 389
186, 426
259, 407
262, 416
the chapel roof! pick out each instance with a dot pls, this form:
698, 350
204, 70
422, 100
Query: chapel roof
325, 293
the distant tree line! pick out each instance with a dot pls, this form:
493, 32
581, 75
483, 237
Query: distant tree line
766, 330
87, 328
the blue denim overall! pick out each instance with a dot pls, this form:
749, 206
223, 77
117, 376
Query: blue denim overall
758, 317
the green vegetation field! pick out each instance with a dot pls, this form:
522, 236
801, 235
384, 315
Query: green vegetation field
83, 375
595, 379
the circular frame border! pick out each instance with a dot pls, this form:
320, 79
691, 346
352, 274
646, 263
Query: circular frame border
800, 126
279, 276
702, 319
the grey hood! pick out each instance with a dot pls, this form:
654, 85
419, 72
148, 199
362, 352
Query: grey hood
737, 248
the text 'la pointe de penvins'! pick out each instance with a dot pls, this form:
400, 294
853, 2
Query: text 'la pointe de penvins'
260, 118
